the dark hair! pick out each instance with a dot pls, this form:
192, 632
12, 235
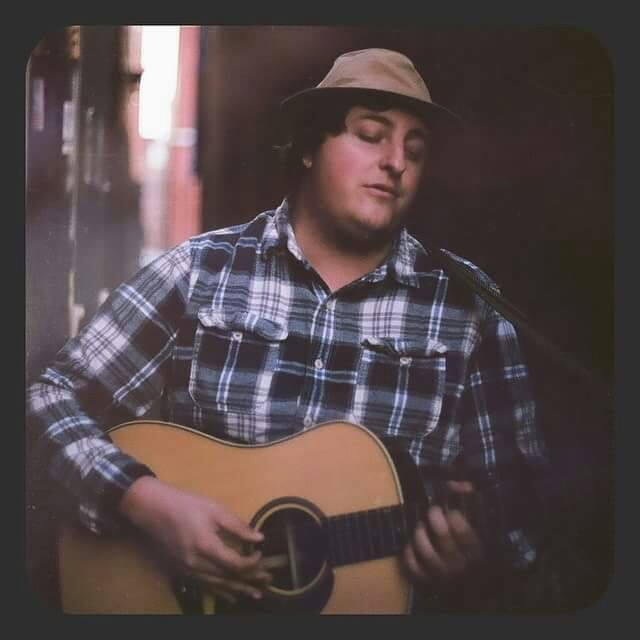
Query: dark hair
306, 128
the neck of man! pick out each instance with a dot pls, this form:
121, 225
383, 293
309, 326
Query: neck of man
337, 259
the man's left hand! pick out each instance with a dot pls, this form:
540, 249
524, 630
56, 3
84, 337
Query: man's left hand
444, 546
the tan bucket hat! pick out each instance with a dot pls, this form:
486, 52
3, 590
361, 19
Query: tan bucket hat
388, 75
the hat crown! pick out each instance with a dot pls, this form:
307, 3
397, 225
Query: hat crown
372, 73
379, 69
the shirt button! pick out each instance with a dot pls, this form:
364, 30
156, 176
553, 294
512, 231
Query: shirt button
237, 335
318, 364
307, 421
405, 360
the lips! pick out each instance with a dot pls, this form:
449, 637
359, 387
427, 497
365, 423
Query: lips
383, 189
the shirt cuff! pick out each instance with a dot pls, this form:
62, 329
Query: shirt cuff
104, 517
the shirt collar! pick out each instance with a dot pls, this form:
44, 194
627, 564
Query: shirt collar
400, 263
278, 233
404, 257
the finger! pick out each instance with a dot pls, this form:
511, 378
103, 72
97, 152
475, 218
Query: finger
426, 553
258, 576
219, 591
260, 580
228, 585
452, 557
412, 565
217, 559
465, 536
460, 486
232, 524
225, 594
209, 585
220, 560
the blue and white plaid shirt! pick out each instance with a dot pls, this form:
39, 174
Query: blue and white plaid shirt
241, 338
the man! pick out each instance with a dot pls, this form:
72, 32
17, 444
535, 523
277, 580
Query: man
324, 309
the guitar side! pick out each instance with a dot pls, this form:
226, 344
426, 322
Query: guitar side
338, 467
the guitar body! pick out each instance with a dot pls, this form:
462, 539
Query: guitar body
332, 469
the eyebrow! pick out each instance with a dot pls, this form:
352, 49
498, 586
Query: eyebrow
421, 132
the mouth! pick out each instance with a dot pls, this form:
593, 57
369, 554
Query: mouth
383, 190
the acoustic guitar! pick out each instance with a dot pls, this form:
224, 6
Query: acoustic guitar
330, 502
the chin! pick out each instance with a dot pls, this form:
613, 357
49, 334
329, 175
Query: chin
363, 236
381, 222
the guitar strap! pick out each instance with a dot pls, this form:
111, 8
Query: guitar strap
505, 308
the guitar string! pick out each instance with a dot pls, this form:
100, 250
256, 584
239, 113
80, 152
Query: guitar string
345, 531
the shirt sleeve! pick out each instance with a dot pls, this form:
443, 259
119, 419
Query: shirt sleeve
501, 445
112, 371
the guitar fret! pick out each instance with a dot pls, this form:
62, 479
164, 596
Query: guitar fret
397, 528
409, 523
391, 546
343, 535
381, 531
384, 524
358, 538
389, 515
334, 539
339, 539
348, 538
344, 538
401, 527
374, 533
369, 534
366, 537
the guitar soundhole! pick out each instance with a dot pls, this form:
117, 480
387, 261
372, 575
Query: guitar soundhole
294, 549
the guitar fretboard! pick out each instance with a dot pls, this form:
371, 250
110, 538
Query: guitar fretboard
366, 535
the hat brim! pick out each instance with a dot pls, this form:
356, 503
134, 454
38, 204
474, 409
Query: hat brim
435, 116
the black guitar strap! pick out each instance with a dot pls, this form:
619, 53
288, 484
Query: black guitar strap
519, 320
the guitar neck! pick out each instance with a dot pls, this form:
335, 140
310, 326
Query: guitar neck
382, 532
367, 535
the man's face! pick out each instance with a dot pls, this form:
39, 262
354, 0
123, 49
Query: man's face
363, 180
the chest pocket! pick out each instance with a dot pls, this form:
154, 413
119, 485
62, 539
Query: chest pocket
400, 385
234, 358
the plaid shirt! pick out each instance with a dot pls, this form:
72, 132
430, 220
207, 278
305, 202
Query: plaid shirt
242, 339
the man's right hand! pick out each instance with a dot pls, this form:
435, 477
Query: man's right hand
191, 531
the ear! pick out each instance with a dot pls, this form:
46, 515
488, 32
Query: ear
306, 160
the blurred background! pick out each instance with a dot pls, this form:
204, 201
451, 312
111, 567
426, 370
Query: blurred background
138, 137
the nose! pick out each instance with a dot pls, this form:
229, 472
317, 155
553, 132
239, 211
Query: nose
393, 158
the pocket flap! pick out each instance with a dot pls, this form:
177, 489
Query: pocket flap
243, 321
420, 347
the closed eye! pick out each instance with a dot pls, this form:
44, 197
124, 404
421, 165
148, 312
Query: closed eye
415, 154
370, 137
